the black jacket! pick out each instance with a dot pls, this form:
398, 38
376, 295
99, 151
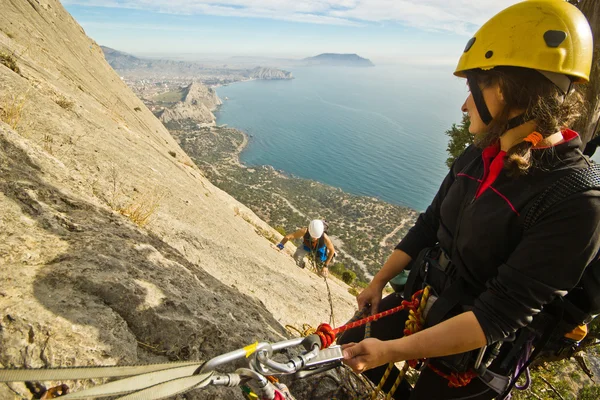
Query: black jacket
511, 274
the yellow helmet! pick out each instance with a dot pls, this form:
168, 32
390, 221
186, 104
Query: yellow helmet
546, 35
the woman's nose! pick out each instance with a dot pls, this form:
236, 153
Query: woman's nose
464, 106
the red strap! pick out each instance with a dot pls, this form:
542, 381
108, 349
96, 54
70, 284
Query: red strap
278, 396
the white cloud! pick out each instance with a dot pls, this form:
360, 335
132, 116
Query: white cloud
458, 16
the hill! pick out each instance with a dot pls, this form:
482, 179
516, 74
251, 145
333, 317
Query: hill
339, 60
114, 247
193, 103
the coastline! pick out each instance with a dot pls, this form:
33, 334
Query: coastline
217, 85
362, 226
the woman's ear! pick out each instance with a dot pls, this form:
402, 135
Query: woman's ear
499, 94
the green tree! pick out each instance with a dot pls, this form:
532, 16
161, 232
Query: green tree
460, 138
588, 125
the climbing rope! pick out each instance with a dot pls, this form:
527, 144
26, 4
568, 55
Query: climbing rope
455, 379
331, 316
328, 334
413, 324
306, 330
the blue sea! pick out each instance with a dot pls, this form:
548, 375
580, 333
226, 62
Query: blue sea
375, 132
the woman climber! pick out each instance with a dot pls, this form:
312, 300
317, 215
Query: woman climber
314, 240
488, 278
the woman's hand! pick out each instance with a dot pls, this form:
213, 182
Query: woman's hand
371, 296
367, 354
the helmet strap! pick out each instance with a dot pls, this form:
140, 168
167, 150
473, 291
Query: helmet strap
516, 121
482, 108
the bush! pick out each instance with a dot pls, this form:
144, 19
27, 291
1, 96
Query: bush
280, 229
353, 291
9, 61
348, 277
361, 284
64, 103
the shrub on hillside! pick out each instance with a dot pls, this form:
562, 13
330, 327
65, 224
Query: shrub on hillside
348, 277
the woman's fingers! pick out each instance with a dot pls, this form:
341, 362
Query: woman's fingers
374, 306
365, 355
355, 356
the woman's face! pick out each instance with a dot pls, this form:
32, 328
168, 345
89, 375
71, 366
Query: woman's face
493, 100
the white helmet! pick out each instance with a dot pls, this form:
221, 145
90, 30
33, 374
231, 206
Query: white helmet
316, 228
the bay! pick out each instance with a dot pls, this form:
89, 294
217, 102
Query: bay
375, 132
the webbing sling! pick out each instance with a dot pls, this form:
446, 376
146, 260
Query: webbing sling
580, 180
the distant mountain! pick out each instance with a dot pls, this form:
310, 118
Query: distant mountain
145, 67
335, 59
120, 60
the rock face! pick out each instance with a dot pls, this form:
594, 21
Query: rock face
269, 74
339, 60
113, 246
197, 105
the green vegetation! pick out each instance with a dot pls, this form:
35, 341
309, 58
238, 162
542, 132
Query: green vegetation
460, 138
348, 277
170, 98
9, 61
589, 393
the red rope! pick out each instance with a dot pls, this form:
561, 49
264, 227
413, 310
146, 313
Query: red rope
328, 334
455, 379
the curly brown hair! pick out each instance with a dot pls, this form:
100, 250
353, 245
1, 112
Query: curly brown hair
543, 102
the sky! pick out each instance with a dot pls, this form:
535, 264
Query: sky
385, 31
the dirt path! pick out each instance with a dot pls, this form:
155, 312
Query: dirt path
392, 233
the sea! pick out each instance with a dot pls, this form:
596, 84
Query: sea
377, 132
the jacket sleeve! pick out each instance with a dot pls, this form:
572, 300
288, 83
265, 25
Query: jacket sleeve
548, 262
424, 232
